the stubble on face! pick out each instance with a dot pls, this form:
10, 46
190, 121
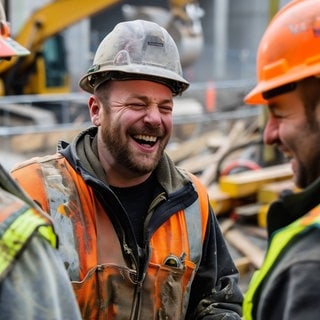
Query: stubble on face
124, 155
132, 139
294, 128
309, 150
308, 155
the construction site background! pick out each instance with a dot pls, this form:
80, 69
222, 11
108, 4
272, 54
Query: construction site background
215, 135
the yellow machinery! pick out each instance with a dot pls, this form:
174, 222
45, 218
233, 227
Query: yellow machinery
45, 70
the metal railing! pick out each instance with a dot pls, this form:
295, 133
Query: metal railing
61, 105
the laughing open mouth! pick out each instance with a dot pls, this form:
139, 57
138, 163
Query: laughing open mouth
145, 139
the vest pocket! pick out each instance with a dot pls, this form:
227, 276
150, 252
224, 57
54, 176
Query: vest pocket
171, 289
107, 292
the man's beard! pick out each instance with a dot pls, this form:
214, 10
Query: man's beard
307, 174
309, 169
120, 151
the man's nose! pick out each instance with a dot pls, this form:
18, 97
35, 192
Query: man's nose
270, 134
153, 115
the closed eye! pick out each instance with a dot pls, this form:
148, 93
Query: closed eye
166, 109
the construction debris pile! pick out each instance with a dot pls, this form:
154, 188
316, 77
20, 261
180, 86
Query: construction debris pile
240, 198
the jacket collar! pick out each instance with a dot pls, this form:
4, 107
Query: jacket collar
292, 206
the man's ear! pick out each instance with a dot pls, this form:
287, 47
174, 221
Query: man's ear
94, 109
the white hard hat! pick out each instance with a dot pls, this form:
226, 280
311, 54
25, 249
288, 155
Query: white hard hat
136, 50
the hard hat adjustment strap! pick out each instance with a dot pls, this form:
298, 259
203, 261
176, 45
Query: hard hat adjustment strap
279, 90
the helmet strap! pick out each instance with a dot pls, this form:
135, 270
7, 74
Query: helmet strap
279, 90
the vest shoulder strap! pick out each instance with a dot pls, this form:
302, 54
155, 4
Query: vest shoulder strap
197, 219
18, 226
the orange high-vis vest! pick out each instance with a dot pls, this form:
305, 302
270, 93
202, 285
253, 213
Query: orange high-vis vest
101, 264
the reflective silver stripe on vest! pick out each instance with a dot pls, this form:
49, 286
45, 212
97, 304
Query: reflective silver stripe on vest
194, 229
59, 196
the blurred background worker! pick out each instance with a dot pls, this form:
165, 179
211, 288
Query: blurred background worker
33, 281
137, 233
288, 67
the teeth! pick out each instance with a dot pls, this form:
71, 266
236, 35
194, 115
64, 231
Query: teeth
287, 155
145, 138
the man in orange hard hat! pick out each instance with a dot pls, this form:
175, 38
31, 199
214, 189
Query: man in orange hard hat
33, 280
288, 68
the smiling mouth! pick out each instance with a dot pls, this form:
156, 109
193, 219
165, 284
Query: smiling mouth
145, 139
285, 153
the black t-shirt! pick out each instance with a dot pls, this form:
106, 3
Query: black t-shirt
136, 200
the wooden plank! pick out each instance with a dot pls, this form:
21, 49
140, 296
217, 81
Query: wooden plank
271, 191
248, 182
256, 231
262, 216
240, 132
245, 246
220, 201
226, 225
209, 171
40, 142
243, 265
247, 210
196, 164
189, 148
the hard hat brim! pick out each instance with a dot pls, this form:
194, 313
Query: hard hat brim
162, 76
294, 75
289, 49
10, 48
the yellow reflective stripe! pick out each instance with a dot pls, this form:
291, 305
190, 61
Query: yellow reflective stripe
47, 232
17, 234
279, 241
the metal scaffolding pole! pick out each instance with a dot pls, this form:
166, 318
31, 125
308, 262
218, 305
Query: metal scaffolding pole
220, 34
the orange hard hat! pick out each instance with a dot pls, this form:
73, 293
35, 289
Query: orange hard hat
289, 50
8, 47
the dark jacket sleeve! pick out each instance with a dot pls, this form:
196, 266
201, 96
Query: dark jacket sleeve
297, 296
37, 287
293, 287
215, 293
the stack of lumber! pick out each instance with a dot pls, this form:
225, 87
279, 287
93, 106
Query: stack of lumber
240, 200
244, 192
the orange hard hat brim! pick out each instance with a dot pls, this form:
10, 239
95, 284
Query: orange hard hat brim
289, 49
296, 74
9, 48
